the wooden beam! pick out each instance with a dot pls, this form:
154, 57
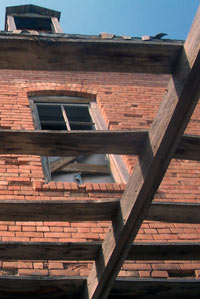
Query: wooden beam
84, 251
45, 143
11, 23
23, 287
72, 52
56, 25
164, 135
92, 210
73, 143
155, 288
174, 212
164, 251
59, 99
188, 148
85, 168
88, 251
58, 210
55, 165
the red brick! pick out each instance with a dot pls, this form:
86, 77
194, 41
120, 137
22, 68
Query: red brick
74, 186
55, 265
9, 265
38, 265
37, 186
132, 266
15, 228
28, 228
25, 265
36, 272
159, 274
64, 272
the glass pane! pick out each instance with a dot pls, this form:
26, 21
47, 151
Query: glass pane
51, 117
77, 113
39, 24
78, 126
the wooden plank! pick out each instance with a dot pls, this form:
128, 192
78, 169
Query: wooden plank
23, 287
84, 251
62, 143
88, 251
164, 135
85, 168
58, 210
155, 288
56, 25
188, 148
60, 99
164, 251
30, 9
174, 212
72, 51
11, 23
55, 165
92, 210
45, 143
65, 118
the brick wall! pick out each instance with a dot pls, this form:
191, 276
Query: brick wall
135, 100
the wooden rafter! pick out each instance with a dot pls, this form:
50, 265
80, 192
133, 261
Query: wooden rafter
88, 251
55, 165
174, 212
188, 148
164, 135
70, 287
92, 210
55, 210
45, 143
71, 143
85, 168
155, 288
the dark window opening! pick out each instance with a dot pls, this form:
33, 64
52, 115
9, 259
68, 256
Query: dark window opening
30, 23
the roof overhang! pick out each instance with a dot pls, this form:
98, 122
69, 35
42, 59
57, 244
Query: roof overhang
55, 52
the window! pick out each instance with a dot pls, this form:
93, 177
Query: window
39, 24
69, 113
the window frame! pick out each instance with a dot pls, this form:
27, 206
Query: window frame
117, 166
53, 22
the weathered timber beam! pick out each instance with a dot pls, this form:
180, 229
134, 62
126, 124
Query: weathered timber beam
88, 251
56, 143
164, 135
80, 53
49, 251
55, 210
164, 251
55, 165
85, 168
174, 212
92, 210
23, 287
155, 288
188, 148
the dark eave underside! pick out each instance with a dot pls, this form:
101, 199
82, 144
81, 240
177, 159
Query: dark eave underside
82, 53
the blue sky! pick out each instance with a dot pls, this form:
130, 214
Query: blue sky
121, 17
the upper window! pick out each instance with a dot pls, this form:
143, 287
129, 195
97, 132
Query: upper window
40, 24
70, 114
64, 116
